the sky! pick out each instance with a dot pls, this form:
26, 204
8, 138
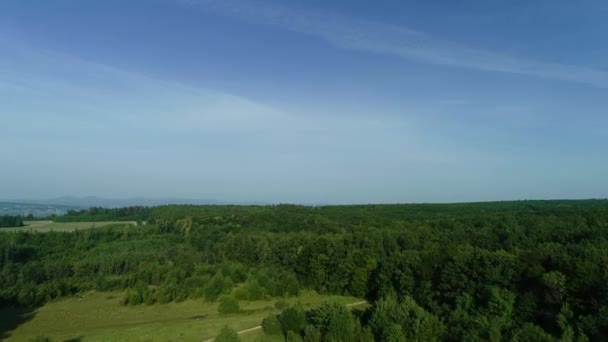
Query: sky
307, 102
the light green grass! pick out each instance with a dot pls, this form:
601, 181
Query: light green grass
48, 226
99, 317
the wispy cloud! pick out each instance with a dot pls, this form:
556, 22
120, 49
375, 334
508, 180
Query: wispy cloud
81, 99
115, 132
361, 35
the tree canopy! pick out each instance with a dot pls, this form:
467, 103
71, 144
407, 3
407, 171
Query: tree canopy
526, 270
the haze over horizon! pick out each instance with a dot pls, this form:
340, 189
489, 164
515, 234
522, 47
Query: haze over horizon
304, 101
95, 201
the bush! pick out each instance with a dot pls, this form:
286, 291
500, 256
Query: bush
271, 325
228, 305
217, 285
256, 292
394, 333
150, 296
227, 335
234, 271
241, 293
289, 284
293, 319
312, 334
167, 293
135, 297
531, 332
293, 337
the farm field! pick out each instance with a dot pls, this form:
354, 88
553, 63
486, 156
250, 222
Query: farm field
99, 316
48, 226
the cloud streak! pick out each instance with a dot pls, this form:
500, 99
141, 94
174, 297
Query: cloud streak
360, 35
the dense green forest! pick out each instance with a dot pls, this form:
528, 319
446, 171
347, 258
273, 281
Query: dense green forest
11, 221
521, 271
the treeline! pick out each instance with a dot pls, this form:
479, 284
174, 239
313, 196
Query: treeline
99, 214
526, 271
388, 320
305, 217
11, 221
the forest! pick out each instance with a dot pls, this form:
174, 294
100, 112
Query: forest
11, 221
497, 271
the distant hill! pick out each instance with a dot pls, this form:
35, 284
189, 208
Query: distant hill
72, 202
35, 209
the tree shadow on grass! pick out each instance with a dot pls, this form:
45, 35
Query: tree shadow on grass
11, 318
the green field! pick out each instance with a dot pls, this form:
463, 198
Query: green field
98, 316
48, 226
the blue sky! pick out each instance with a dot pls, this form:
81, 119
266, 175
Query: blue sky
304, 101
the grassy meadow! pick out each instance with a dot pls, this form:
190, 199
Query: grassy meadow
48, 226
99, 316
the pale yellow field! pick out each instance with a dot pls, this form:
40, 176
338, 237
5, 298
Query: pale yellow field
99, 317
48, 226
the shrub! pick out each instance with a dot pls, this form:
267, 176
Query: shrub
271, 325
228, 305
241, 293
227, 335
293, 319
216, 286
312, 334
167, 293
256, 291
234, 271
293, 337
289, 284
135, 297
149, 296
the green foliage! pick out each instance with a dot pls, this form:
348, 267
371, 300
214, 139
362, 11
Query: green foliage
531, 332
135, 213
271, 325
216, 286
268, 338
293, 319
359, 282
227, 335
241, 293
293, 337
312, 334
341, 326
228, 305
393, 333
415, 323
11, 221
555, 282
135, 297
478, 271
334, 320
365, 334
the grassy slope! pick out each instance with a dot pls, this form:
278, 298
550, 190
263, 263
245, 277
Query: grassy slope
47, 226
100, 317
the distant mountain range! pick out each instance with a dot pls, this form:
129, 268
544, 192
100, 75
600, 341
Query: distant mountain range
93, 201
35, 209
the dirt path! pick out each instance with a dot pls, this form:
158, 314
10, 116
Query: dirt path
357, 303
260, 327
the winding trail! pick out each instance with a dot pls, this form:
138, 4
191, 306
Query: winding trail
258, 327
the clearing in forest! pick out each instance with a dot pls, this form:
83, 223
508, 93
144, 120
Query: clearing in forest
99, 316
